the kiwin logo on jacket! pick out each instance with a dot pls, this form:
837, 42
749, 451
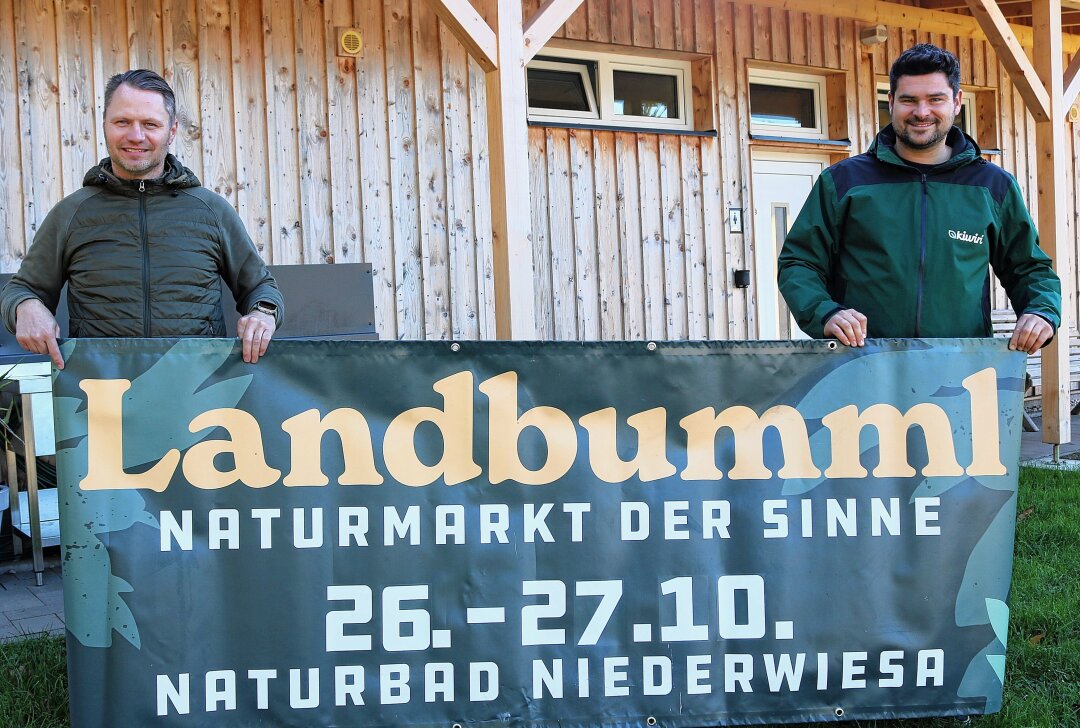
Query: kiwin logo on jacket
966, 237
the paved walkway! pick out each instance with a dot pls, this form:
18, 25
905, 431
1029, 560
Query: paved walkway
26, 608
1033, 448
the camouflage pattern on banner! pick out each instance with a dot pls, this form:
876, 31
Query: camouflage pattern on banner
535, 534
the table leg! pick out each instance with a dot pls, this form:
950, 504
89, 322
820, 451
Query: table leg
13, 493
32, 488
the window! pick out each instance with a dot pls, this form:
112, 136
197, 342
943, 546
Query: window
574, 86
561, 90
787, 104
965, 119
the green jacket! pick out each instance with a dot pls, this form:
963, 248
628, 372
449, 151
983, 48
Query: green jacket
912, 250
142, 258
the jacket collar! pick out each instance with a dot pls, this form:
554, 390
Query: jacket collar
175, 177
964, 149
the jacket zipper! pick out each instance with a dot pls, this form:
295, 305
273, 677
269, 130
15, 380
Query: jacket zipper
145, 259
922, 260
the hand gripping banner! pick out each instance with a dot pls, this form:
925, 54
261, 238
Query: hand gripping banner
535, 534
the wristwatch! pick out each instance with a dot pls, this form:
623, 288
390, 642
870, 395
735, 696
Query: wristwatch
263, 307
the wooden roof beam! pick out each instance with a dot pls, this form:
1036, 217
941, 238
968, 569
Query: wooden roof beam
551, 16
1072, 81
1012, 57
943, 4
470, 29
905, 16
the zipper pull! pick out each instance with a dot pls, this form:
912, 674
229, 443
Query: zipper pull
142, 185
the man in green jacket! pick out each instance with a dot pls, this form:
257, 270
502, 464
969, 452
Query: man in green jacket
899, 241
142, 245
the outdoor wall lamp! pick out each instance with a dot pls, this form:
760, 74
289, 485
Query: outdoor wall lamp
742, 277
873, 35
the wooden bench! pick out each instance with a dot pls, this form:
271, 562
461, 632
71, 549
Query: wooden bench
1003, 321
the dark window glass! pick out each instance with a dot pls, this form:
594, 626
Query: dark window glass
645, 94
884, 117
782, 106
559, 90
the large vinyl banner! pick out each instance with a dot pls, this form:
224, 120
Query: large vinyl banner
535, 534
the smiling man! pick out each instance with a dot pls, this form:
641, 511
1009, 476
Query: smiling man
899, 242
142, 245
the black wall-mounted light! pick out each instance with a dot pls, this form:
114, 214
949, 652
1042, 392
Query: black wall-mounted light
741, 277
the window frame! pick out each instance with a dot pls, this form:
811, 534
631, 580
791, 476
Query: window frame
604, 92
791, 79
568, 66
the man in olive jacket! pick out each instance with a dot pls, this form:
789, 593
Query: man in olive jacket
900, 241
141, 246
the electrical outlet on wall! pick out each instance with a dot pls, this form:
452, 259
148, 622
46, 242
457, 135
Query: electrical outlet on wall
735, 220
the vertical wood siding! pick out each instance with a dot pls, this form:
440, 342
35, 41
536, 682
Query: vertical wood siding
383, 158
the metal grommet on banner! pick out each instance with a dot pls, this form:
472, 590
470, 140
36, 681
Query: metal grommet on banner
455, 347
833, 345
651, 346
839, 712
650, 720
456, 725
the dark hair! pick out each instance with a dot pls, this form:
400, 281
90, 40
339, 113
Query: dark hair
923, 59
147, 81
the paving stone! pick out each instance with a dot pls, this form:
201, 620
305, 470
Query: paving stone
53, 599
19, 597
51, 586
8, 632
41, 610
46, 623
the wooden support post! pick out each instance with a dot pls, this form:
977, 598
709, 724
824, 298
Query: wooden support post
1053, 233
511, 203
499, 49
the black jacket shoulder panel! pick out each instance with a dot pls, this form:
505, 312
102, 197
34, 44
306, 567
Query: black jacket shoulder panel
981, 173
865, 169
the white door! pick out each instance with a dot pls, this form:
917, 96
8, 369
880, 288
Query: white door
781, 184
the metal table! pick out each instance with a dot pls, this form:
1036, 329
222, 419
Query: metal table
33, 514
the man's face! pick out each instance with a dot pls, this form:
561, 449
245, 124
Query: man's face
138, 133
923, 109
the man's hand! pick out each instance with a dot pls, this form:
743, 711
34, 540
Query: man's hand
1030, 334
36, 330
255, 330
848, 326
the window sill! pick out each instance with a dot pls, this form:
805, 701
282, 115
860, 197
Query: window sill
831, 145
628, 129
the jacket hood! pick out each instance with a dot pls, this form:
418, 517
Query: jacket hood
964, 149
176, 176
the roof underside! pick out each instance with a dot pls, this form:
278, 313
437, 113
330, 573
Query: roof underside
1017, 11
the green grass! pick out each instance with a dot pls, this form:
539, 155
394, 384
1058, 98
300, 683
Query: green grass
1042, 686
33, 683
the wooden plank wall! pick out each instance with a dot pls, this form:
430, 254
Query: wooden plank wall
664, 246
380, 158
383, 158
